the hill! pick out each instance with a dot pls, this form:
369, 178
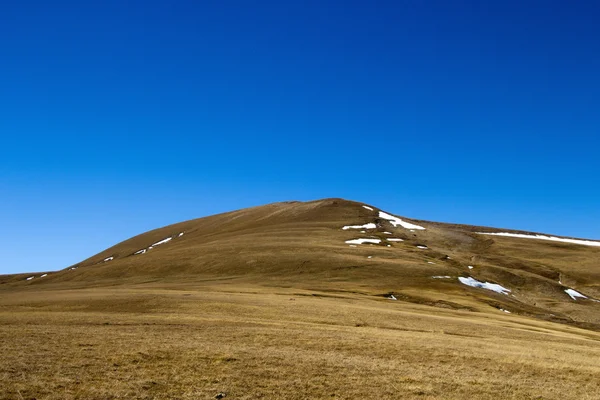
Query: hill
344, 246
293, 300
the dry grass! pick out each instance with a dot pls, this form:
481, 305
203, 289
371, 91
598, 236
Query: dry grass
253, 342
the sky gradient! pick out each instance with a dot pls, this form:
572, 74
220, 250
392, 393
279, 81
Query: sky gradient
119, 117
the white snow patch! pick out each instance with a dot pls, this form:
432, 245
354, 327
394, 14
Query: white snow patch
73, 269
142, 251
30, 278
392, 297
574, 294
430, 262
544, 237
361, 241
506, 311
368, 208
470, 267
162, 241
441, 277
352, 245
395, 240
422, 247
397, 221
370, 225
180, 234
388, 233
43, 275
109, 258
370, 257
483, 285
389, 245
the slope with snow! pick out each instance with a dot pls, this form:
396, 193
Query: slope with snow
370, 225
543, 237
364, 240
484, 285
399, 222
574, 294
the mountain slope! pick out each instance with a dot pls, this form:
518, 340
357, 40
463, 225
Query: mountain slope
339, 246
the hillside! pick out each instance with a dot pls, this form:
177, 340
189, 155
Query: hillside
342, 246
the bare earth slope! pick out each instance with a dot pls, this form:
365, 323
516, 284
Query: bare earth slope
330, 298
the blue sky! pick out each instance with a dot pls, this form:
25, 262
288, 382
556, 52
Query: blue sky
119, 117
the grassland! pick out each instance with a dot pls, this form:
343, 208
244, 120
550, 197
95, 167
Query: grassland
255, 342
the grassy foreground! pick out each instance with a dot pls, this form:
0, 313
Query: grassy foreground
248, 342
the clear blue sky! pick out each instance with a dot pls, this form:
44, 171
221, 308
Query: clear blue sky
118, 117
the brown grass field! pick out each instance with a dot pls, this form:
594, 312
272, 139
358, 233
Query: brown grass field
271, 303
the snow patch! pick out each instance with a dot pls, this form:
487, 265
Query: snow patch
506, 311
392, 297
395, 240
388, 233
180, 234
574, 294
142, 251
483, 285
544, 237
368, 208
441, 277
109, 259
162, 241
370, 225
30, 278
397, 221
352, 245
361, 241
422, 247
43, 275
470, 267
